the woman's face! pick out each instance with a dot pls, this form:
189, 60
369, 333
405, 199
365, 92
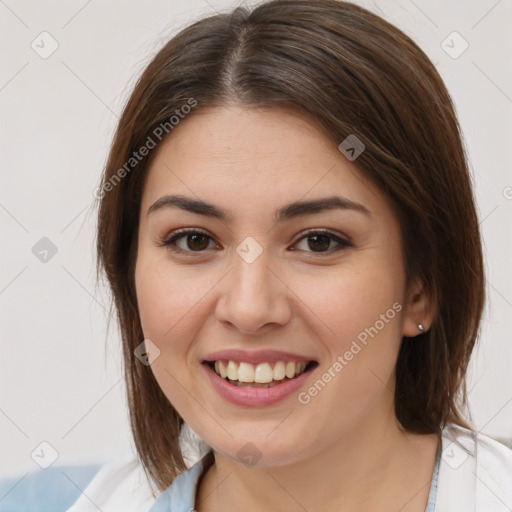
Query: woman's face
260, 287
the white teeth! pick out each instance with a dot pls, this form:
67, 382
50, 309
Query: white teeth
262, 373
222, 370
232, 371
290, 369
245, 372
279, 371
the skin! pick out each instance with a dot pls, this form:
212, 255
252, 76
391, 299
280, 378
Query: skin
344, 450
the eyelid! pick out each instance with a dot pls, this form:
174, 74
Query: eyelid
179, 233
341, 240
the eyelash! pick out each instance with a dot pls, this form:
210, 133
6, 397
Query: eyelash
180, 233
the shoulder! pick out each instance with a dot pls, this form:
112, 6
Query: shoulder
117, 485
55, 488
490, 454
478, 468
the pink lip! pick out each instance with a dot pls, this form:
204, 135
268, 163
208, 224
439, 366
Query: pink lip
256, 357
254, 397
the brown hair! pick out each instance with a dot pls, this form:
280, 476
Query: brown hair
354, 73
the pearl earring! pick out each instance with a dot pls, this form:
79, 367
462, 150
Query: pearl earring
421, 328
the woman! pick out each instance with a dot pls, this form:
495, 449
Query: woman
287, 224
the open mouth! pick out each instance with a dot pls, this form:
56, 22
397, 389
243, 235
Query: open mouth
263, 375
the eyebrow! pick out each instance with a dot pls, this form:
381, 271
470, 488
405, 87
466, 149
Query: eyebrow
287, 212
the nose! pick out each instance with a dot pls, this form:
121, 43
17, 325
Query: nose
253, 297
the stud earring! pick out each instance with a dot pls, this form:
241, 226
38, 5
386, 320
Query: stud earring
421, 328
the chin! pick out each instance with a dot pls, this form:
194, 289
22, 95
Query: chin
261, 451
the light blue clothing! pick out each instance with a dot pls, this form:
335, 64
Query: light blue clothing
181, 495
431, 505
51, 490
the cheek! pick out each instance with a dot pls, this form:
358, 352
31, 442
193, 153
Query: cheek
169, 300
362, 308
169, 307
359, 313
354, 299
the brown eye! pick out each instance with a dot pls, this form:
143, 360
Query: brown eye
188, 241
320, 242
196, 242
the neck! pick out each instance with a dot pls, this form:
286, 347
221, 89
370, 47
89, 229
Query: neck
376, 466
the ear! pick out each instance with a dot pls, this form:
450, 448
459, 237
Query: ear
419, 309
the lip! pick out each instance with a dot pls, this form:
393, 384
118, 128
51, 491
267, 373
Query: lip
256, 357
256, 397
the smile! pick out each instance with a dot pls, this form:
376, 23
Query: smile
259, 383
264, 375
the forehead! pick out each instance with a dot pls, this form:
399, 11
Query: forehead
254, 158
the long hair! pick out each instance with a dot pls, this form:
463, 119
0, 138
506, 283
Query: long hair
354, 73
